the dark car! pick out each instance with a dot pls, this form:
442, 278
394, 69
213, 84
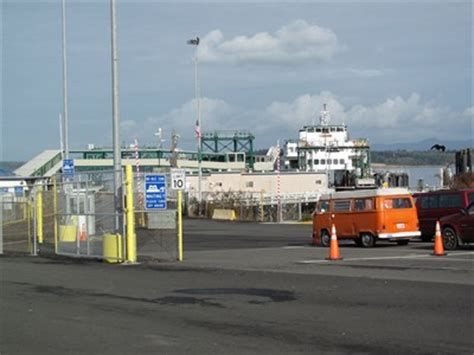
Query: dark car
458, 228
433, 205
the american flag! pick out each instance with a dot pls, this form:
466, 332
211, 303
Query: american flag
197, 130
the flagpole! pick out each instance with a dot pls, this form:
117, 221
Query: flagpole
198, 102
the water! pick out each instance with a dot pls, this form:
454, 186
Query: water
429, 174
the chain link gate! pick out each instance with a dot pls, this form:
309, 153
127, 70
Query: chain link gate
88, 222
156, 229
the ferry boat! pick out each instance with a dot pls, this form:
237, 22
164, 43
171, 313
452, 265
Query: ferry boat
328, 147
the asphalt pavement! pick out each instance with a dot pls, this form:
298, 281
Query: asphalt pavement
243, 288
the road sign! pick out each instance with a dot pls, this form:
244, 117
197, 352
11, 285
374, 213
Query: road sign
19, 191
178, 179
155, 191
68, 167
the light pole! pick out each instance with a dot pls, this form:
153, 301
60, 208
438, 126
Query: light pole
197, 130
65, 97
159, 134
116, 119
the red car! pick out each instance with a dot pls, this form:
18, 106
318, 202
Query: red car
458, 228
432, 206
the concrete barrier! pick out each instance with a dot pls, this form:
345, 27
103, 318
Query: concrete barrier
223, 214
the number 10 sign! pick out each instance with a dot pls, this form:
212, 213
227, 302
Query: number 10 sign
178, 179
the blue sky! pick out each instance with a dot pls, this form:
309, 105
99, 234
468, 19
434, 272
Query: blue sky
394, 72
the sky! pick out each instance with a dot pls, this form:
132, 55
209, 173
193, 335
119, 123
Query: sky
392, 71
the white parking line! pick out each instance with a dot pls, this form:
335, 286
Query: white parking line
412, 256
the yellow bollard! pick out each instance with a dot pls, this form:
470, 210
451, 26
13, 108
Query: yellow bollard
180, 226
39, 215
131, 237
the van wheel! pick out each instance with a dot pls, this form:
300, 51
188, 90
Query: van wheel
367, 240
403, 242
450, 239
325, 238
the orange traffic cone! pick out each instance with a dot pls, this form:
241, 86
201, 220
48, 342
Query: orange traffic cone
334, 247
83, 234
438, 244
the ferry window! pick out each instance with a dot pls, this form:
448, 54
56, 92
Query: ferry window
340, 129
309, 162
333, 129
397, 203
342, 205
318, 130
325, 130
249, 184
316, 161
450, 201
341, 161
323, 161
323, 206
329, 161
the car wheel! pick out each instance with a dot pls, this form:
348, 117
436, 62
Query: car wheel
450, 239
403, 242
367, 240
325, 238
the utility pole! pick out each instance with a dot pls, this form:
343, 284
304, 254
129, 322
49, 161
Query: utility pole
65, 95
116, 119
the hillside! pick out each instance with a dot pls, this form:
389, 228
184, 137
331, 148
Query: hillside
404, 157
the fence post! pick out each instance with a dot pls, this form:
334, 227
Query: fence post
180, 226
131, 237
55, 214
39, 215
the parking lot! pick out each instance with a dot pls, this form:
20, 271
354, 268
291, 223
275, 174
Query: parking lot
244, 288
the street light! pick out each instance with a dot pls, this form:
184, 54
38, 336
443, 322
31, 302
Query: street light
197, 130
159, 134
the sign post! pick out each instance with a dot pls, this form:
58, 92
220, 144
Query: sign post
178, 182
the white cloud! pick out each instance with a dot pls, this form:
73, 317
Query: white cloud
296, 42
396, 119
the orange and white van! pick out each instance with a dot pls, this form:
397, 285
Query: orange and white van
365, 216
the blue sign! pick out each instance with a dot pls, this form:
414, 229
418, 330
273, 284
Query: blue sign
4, 190
155, 192
19, 191
68, 167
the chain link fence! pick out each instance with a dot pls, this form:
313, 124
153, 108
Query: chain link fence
17, 223
254, 206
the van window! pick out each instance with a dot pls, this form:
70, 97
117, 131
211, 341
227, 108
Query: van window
342, 205
430, 201
323, 206
397, 203
452, 200
470, 198
363, 204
